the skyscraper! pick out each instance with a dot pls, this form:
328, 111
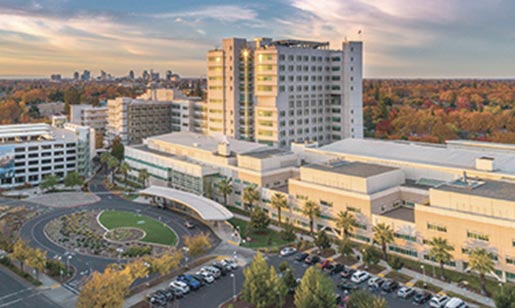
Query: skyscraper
278, 92
131, 74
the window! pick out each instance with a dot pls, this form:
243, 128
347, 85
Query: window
403, 251
405, 237
353, 209
435, 227
478, 236
510, 261
326, 203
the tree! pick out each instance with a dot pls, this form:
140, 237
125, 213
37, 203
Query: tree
143, 176
279, 202
197, 244
505, 298
21, 252
371, 255
284, 266
259, 220
383, 235
112, 164
165, 263
104, 158
117, 148
289, 279
107, 289
288, 232
322, 241
481, 261
225, 188
345, 221
345, 247
315, 290
364, 299
37, 260
73, 179
311, 210
440, 252
49, 182
124, 169
71, 97
250, 196
262, 287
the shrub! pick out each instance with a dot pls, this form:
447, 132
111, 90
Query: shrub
395, 262
55, 267
136, 251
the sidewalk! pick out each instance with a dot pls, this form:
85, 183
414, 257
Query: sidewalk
56, 292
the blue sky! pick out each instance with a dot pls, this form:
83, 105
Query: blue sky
403, 38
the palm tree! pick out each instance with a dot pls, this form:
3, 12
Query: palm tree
345, 221
112, 164
481, 261
440, 252
225, 188
124, 169
104, 158
250, 196
143, 176
279, 202
311, 210
345, 246
383, 234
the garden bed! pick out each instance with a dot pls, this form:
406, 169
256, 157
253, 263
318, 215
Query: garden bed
399, 277
347, 260
253, 239
373, 268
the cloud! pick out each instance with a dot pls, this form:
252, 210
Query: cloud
227, 13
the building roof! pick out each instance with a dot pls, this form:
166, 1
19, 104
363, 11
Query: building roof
356, 169
207, 209
487, 189
37, 132
423, 153
209, 143
401, 213
269, 153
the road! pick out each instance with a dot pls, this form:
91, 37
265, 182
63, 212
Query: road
17, 293
33, 231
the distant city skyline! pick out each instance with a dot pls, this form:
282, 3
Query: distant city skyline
412, 39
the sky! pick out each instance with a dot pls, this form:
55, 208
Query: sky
402, 38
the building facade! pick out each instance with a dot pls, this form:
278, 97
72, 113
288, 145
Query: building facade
94, 117
460, 191
29, 152
279, 92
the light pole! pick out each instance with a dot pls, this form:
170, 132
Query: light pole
501, 286
233, 287
424, 274
68, 258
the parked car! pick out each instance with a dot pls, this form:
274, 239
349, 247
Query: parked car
301, 256
347, 273
157, 299
223, 270
323, 264
389, 286
189, 225
193, 283
312, 259
359, 277
200, 279
212, 271
183, 287
167, 293
206, 277
405, 292
375, 282
226, 266
422, 297
348, 286
230, 262
338, 268
287, 251
438, 301
456, 302
176, 292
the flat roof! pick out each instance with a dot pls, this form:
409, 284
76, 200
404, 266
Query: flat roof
488, 189
208, 143
207, 209
423, 153
357, 169
401, 213
268, 153
41, 131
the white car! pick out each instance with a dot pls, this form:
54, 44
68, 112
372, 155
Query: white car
359, 277
287, 251
213, 271
405, 292
208, 278
456, 302
231, 263
373, 281
438, 301
185, 289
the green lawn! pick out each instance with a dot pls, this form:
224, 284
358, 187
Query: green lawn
156, 232
269, 238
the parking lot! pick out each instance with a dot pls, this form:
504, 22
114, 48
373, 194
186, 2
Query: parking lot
212, 295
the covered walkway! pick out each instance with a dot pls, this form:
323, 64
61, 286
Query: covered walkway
205, 208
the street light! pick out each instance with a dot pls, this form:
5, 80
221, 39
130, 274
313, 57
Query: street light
424, 274
501, 286
68, 258
233, 287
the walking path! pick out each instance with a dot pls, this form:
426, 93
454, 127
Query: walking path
56, 291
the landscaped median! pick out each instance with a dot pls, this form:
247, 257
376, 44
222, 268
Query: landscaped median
257, 239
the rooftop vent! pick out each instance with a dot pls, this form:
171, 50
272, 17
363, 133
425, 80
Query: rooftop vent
485, 163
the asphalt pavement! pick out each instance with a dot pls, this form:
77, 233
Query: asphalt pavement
16, 293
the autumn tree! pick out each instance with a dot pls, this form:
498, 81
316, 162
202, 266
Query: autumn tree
37, 260
197, 244
21, 252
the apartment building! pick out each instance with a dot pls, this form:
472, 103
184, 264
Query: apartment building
94, 117
461, 191
279, 92
29, 152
